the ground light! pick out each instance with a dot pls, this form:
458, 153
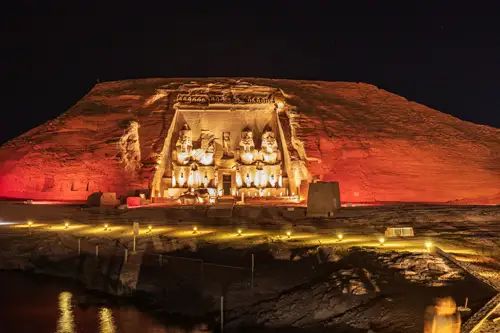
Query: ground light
239, 232
29, 225
195, 230
289, 234
340, 237
381, 240
428, 245
66, 225
150, 228
105, 227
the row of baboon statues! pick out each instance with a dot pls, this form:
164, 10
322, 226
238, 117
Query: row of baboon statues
205, 99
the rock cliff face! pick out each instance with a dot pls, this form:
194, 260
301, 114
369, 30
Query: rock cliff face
378, 145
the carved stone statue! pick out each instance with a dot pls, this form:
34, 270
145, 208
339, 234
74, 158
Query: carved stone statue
248, 180
269, 152
205, 155
248, 153
226, 144
184, 145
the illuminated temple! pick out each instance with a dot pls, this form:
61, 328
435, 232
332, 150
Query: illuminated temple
165, 140
228, 141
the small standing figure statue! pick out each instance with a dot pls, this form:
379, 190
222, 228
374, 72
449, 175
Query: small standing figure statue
226, 145
442, 317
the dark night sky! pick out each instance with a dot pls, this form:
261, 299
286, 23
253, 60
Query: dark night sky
443, 56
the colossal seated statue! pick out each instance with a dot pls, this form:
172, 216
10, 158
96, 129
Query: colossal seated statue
248, 154
269, 153
205, 155
184, 146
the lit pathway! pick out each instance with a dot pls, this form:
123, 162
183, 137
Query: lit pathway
231, 236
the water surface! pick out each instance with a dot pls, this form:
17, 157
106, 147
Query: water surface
41, 304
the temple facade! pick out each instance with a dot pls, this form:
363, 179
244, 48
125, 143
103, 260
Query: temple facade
226, 142
213, 163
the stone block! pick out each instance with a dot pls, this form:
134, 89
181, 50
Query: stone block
109, 199
133, 201
323, 199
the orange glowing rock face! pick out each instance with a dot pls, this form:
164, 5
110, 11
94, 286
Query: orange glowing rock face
379, 146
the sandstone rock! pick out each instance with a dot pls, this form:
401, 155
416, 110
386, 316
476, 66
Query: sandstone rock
112, 141
453, 275
423, 268
177, 244
330, 254
282, 254
350, 281
357, 287
311, 303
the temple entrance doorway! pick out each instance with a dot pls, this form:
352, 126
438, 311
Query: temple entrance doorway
226, 185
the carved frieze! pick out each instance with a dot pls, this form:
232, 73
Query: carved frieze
192, 99
255, 99
226, 95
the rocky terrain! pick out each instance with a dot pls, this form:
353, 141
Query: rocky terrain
297, 287
423, 268
379, 146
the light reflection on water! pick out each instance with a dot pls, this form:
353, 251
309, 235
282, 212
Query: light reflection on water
40, 304
66, 322
106, 322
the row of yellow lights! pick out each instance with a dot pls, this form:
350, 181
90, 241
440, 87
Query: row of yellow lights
428, 244
106, 226
381, 240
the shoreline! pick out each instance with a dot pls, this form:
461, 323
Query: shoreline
83, 299
308, 281
176, 289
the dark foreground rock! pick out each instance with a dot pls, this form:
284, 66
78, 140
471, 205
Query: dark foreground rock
305, 290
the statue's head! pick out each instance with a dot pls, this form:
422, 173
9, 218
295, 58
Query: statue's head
247, 137
185, 135
269, 140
